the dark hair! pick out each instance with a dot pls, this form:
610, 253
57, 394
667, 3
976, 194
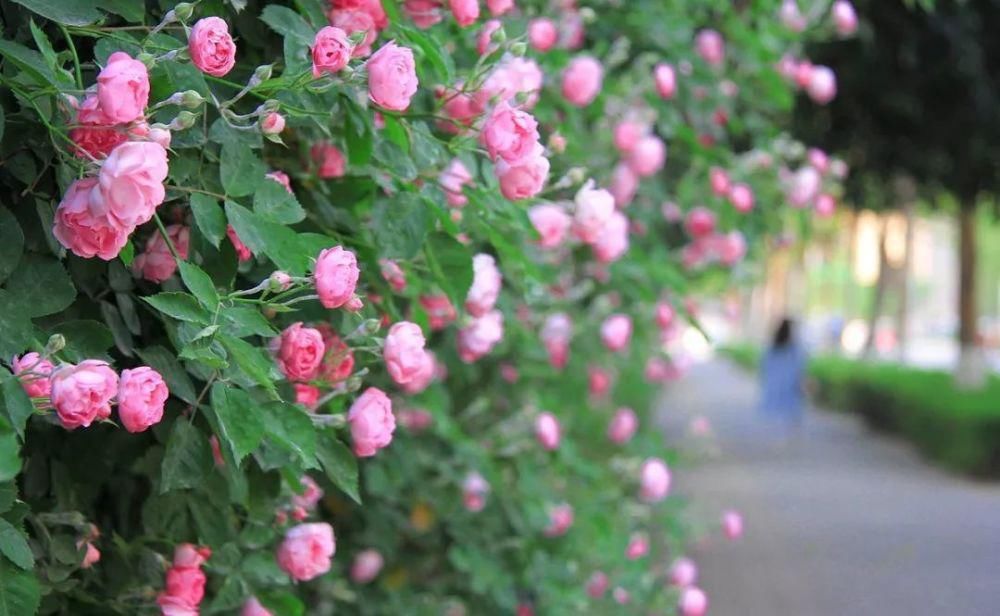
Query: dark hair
783, 335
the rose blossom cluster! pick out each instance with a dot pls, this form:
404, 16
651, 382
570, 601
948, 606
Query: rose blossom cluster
555, 334
819, 82
485, 329
185, 581
84, 392
307, 550
806, 186
366, 17
598, 224
474, 491
511, 138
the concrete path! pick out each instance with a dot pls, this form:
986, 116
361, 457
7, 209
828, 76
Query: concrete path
842, 522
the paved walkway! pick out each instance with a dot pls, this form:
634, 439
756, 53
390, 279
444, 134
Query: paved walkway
842, 523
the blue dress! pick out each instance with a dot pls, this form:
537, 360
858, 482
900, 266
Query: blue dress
781, 378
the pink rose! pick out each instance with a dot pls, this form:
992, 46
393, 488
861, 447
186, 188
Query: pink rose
822, 87
392, 274
372, 422
791, 17
741, 196
547, 431
510, 134
33, 371
156, 263
720, 182
404, 352
638, 546
474, 491
542, 34
212, 49
664, 315
560, 520
331, 51
805, 185
485, 287
621, 596
185, 585
598, 382
272, 124
700, 222
731, 248
648, 156
452, 179
552, 224
597, 585
306, 395
465, 12
627, 134
91, 557
310, 496
352, 22
710, 47
130, 184
665, 80
252, 607
298, 352
243, 252
336, 276
594, 209
306, 551
693, 602
281, 178
366, 566
732, 524
173, 606
683, 572
623, 426
624, 184
654, 480
329, 160
499, 7
141, 396
392, 77
845, 19
525, 178
338, 363
83, 393
415, 420
484, 40
825, 205
440, 312
613, 241
818, 159
424, 13
555, 336
96, 135
480, 336
123, 88
557, 143
581, 81
616, 331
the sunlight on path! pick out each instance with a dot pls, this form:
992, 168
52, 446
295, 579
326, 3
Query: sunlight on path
842, 522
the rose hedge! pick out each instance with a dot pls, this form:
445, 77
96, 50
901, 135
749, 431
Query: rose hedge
323, 308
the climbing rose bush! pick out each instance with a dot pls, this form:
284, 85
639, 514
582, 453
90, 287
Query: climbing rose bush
362, 306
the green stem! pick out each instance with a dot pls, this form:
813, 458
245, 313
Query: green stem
76, 58
166, 237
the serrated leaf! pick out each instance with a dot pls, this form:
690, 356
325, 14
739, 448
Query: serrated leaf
243, 321
11, 243
396, 160
339, 464
252, 360
15, 326
400, 226
84, 339
287, 22
14, 545
451, 264
240, 425
272, 202
289, 428
10, 451
187, 460
16, 402
8, 494
70, 13
180, 306
263, 237
164, 362
240, 170
209, 217
20, 593
40, 286
199, 283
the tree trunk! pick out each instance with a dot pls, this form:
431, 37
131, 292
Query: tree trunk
880, 284
970, 373
902, 316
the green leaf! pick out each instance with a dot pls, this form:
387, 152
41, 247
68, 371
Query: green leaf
278, 242
287, 22
20, 593
451, 264
240, 424
67, 12
339, 464
289, 428
243, 321
127, 255
359, 133
41, 286
180, 306
8, 494
209, 217
164, 362
15, 326
429, 49
44, 45
33, 64
129, 9
252, 360
240, 169
199, 283
187, 460
14, 545
282, 602
396, 160
10, 450
400, 226
16, 400
84, 339
272, 202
